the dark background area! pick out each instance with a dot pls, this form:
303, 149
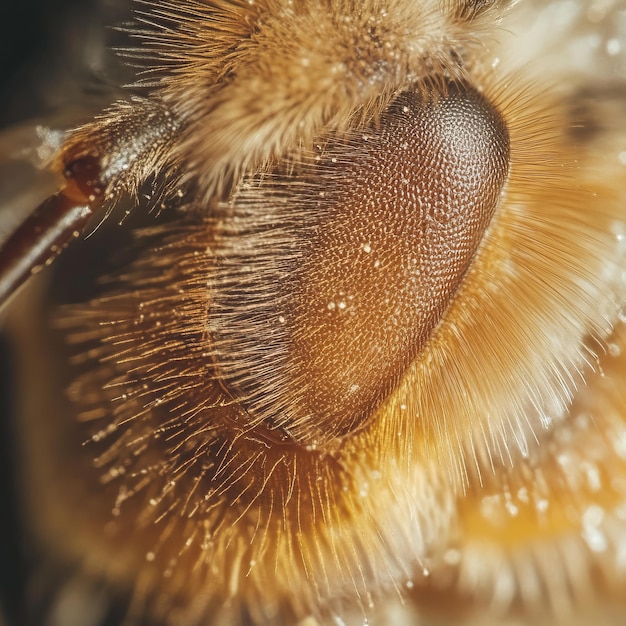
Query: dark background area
31, 32
28, 29
54, 55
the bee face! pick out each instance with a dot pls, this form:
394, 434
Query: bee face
369, 357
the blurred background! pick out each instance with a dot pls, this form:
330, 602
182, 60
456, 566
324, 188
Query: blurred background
56, 66
53, 52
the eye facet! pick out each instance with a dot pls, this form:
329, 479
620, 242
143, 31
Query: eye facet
328, 286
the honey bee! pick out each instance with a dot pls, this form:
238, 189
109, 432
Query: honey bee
336, 330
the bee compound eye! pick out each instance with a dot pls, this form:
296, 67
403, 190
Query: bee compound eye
329, 285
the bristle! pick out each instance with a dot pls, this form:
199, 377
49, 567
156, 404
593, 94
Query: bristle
199, 489
558, 513
296, 78
262, 79
531, 302
178, 450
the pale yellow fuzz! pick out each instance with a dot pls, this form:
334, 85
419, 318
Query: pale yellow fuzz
292, 71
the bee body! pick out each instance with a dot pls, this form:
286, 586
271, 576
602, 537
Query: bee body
368, 361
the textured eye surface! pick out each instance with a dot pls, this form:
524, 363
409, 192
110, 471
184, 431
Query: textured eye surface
355, 352
329, 282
